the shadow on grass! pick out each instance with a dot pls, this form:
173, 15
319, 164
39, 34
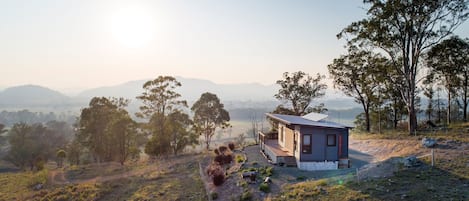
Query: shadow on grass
420, 183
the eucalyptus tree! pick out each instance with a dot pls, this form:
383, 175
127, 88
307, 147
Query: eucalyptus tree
403, 30
107, 130
169, 125
297, 90
209, 114
358, 75
448, 64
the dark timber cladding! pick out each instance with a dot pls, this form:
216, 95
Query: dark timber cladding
315, 138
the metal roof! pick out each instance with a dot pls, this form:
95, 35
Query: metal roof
298, 120
313, 116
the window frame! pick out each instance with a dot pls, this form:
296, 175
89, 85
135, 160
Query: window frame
335, 140
307, 149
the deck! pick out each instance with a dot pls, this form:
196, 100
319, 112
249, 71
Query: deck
276, 149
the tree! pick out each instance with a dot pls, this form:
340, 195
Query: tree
107, 130
163, 107
209, 114
298, 90
124, 136
357, 74
31, 145
2, 131
74, 150
179, 129
404, 29
61, 154
446, 61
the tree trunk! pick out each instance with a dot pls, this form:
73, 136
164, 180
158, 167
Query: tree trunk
367, 120
448, 112
465, 96
412, 117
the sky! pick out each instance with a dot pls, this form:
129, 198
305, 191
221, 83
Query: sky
78, 44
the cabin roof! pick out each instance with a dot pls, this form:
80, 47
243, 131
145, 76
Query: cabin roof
298, 120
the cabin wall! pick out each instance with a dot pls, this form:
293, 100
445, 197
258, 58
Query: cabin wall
320, 150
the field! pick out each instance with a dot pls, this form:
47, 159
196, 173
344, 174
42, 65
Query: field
179, 178
174, 178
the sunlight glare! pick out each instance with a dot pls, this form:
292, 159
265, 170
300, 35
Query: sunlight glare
132, 26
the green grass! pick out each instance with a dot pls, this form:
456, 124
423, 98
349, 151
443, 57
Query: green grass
19, 185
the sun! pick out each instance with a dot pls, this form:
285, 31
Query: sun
132, 26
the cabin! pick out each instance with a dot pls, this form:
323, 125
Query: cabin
308, 142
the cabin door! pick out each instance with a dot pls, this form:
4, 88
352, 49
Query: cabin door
331, 147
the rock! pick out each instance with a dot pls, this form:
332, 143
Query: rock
428, 142
267, 180
411, 161
38, 187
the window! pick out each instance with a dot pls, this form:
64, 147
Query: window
331, 140
281, 133
306, 145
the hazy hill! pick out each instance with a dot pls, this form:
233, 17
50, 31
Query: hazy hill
191, 90
250, 95
27, 95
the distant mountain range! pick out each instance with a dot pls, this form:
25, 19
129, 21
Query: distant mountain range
250, 95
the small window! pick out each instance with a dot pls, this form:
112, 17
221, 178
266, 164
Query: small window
331, 140
306, 144
281, 133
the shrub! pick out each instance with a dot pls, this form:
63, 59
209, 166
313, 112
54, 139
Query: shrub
239, 158
269, 171
264, 187
213, 168
214, 195
219, 159
246, 195
216, 152
222, 149
218, 177
227, 158
231, 145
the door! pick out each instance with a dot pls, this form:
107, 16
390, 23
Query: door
331, 147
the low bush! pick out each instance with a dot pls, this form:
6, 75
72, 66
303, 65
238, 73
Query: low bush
239, 158
212, 168
216, 152
264, 187
222, 149
214, 195
231, 145
219, 159
218, 178
227, 158
247, 195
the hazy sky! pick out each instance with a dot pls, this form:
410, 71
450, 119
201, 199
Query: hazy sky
77, 44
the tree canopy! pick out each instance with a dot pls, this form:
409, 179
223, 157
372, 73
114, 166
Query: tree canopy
209, 114
403, 30
297, 90
358, 75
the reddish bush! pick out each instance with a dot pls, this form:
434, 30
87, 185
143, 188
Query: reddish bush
217, 174
213, 168
227, 158
218, 177
231, 145
222, 149
219, 159
216, 152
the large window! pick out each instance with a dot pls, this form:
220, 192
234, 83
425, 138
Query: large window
331, 140
306, 144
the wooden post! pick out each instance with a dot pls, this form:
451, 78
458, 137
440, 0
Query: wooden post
433, 157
